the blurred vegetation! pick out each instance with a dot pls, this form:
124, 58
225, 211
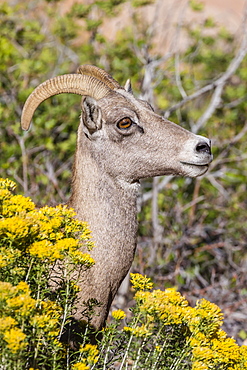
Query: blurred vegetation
192, 232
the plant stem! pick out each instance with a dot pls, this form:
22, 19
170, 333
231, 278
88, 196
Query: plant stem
139, 352
179, 359
66, 303
106, 356
126, 353
155, 343
158, 357
29, 270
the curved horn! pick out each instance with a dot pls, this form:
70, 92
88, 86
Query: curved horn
70, 83
100, 74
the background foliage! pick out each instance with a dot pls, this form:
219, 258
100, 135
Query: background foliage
192, 232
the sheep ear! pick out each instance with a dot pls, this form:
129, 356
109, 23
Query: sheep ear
91, 116
128, 87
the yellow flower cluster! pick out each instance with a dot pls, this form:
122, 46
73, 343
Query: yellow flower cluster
211, 352
80, 366
138, 331
15, 204
8, 256
243, 357
208, 316
15, 229
47, 318
118, 314
14, 299
168, 306
6, 323
48, 233
15, 339
16, 305
140, 282
91, 352
79, 258
6, 184
208, 345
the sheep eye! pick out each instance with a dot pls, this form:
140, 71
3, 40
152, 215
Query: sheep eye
124, 123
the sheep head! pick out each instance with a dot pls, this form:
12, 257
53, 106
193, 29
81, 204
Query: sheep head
126, 130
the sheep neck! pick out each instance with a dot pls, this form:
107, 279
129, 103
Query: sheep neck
109, 206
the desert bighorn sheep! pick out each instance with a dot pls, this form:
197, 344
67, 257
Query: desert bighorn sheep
120, 141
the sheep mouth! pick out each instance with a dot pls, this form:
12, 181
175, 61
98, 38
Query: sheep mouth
199, 164
193, 169
192, 164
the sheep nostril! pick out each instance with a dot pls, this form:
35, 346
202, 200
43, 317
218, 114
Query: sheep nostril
203, 147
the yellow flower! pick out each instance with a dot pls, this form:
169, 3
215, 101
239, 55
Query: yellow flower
198, 339
51, 308
141, 282
118, 314
15, 339
81, 258
74, 286
5, 289
47, 324
209, 310
7, 184
243, 356
172, 315
14, 228
16, 298
17, 204
221, 335
48, 318
169, 305
49, 228
6, 323
80, 366
226, 351
158, 348
214, 352
207, 318
4, 194
198, 365
20, 299
23, 303
58, 211
66, 216
204, 354
74, 226
23, 287
44, 250
8, 256
67, 244
139, 331
91, 351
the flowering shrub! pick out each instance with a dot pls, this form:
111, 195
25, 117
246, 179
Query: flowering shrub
164, 332
31, 241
